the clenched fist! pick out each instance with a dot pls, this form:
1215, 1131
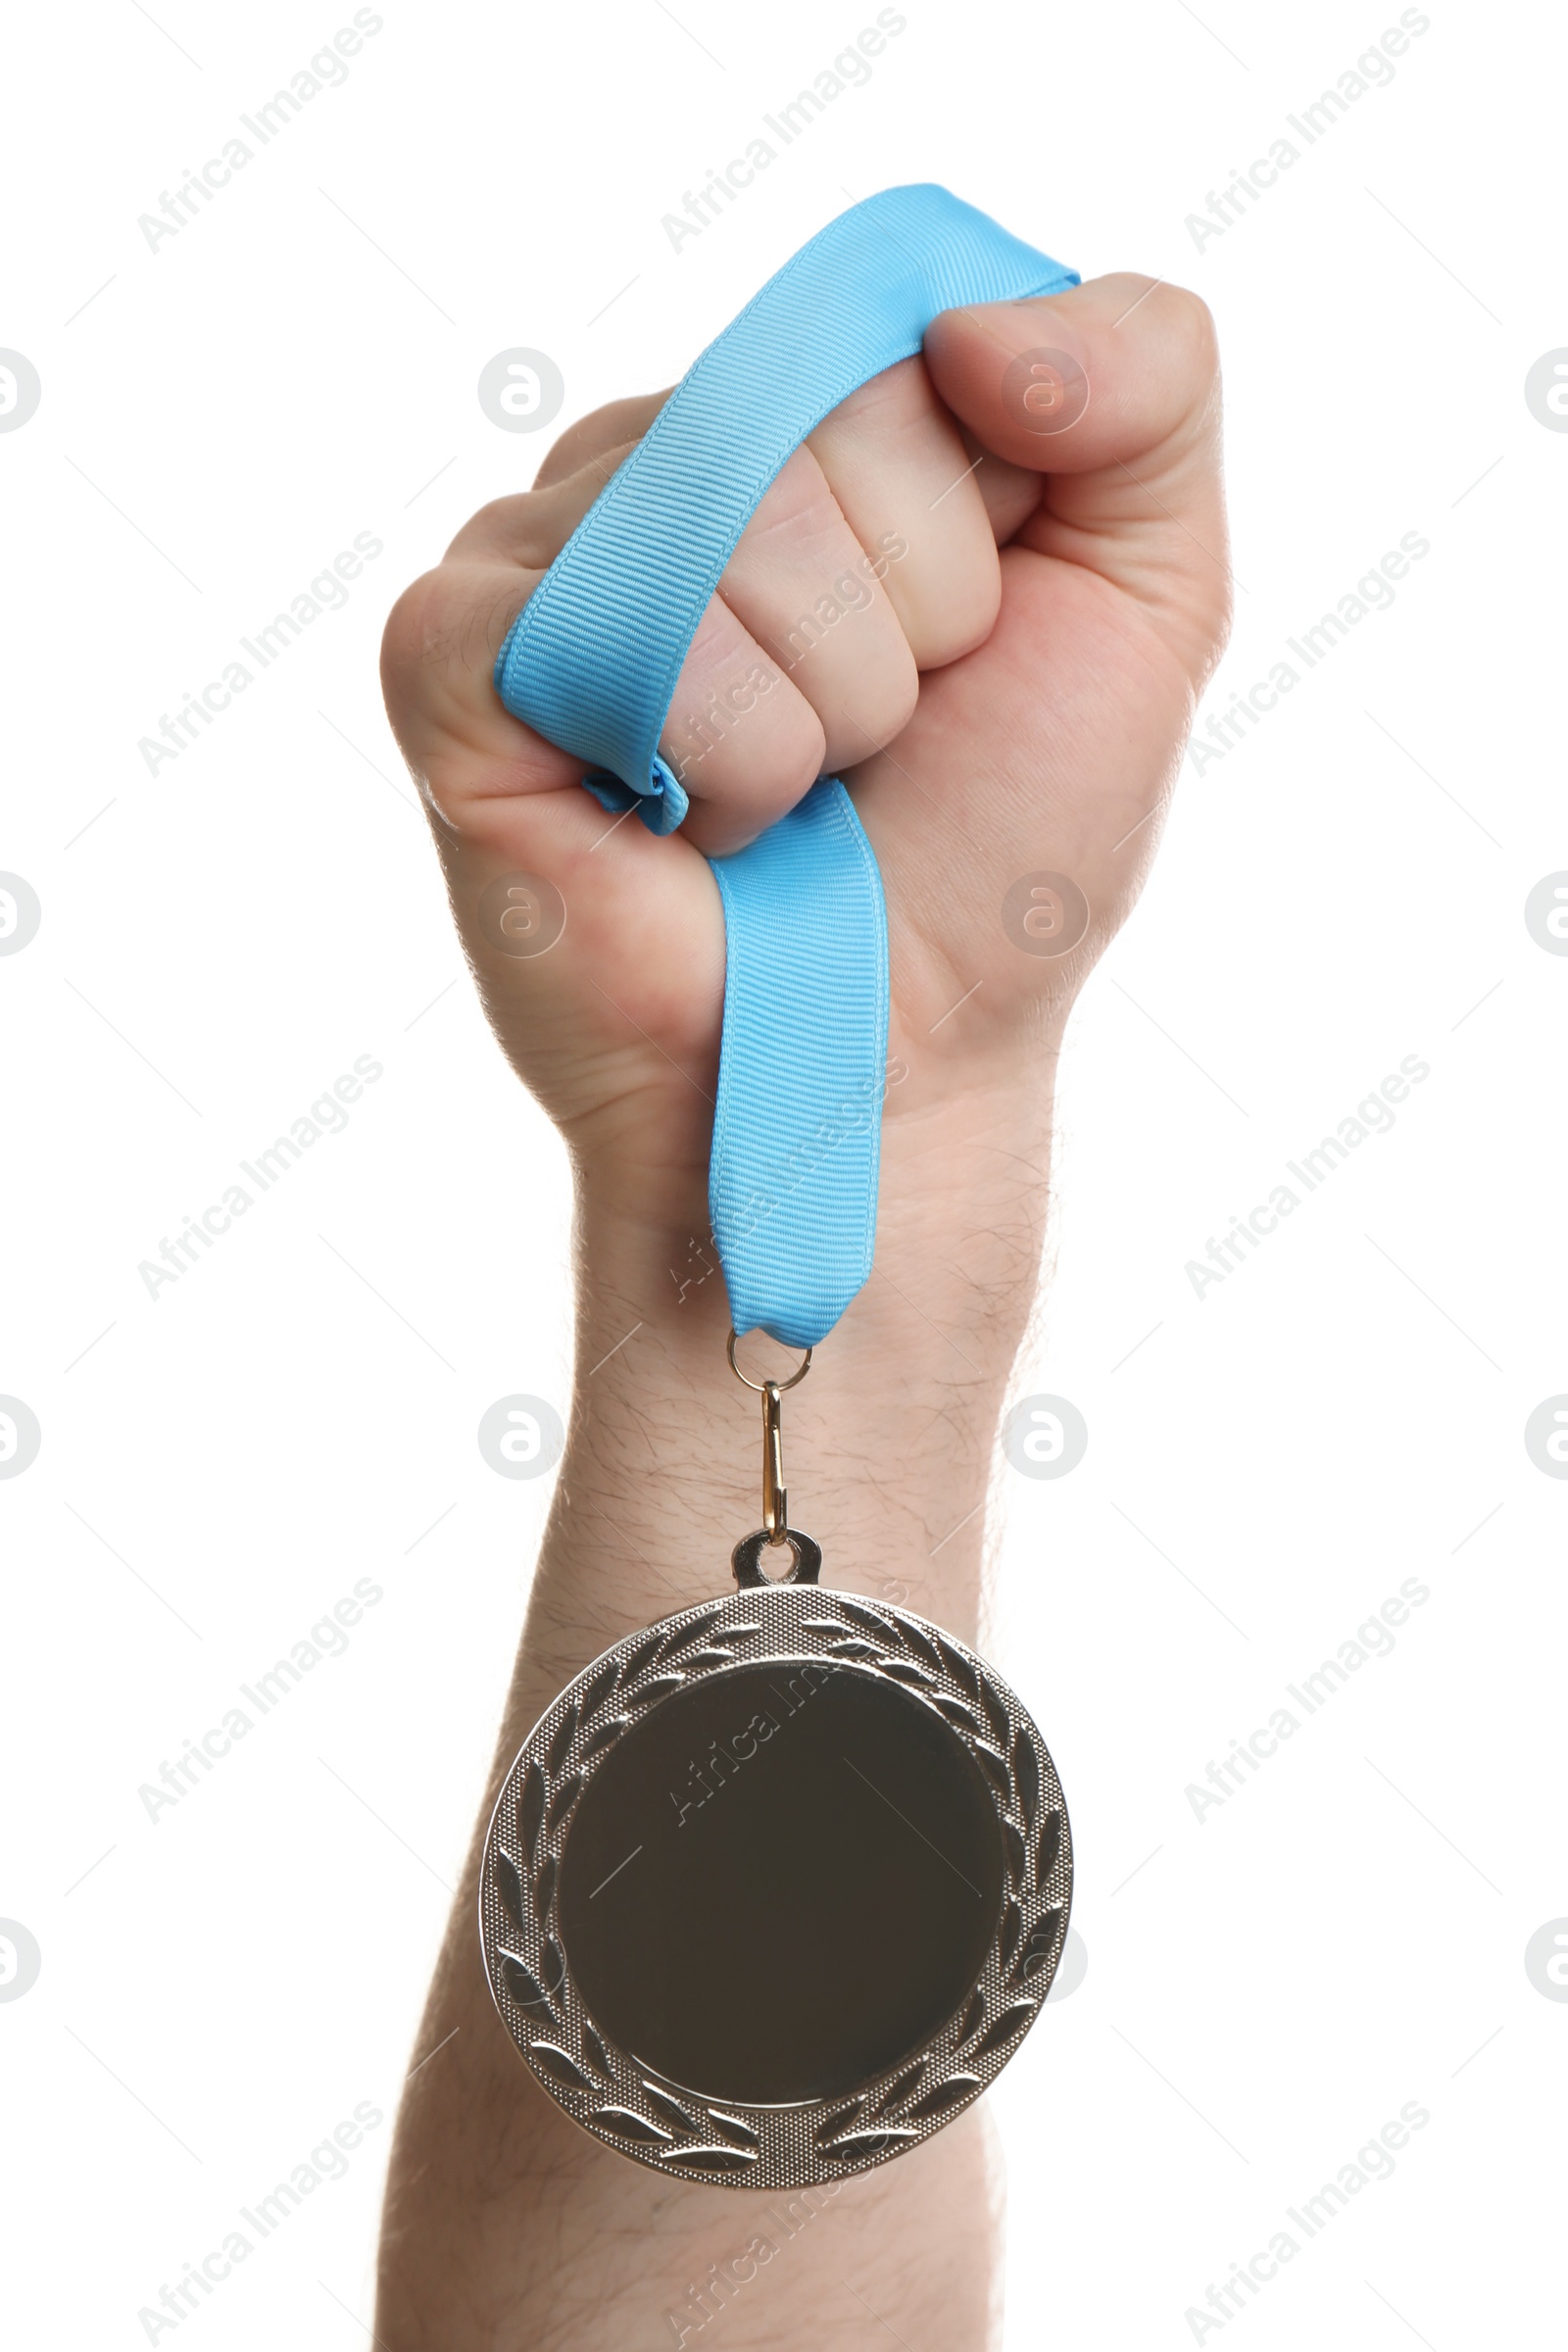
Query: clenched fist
986, 591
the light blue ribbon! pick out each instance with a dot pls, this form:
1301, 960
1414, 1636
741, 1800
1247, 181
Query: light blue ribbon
592, 661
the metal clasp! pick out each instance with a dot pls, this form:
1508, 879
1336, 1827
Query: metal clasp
775, 1493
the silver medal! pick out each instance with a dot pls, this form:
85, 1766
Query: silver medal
775, 1888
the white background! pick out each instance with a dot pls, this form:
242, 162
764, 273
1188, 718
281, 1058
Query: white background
220, 939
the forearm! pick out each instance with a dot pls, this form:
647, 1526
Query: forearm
890, 1444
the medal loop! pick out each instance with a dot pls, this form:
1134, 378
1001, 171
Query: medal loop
804, 1568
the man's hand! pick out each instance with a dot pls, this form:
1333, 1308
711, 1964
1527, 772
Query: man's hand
993, 614
990, 612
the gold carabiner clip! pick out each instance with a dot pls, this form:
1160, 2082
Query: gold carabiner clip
775, 1495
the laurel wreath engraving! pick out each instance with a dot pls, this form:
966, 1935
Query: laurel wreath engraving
604, 2088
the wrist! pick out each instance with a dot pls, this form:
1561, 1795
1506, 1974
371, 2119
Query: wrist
888, 1444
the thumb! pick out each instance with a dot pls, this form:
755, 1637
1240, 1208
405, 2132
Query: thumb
1111, 392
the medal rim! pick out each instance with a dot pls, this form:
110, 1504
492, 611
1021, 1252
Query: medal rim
629, 2107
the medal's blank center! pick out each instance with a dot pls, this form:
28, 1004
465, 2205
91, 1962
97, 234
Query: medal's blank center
781, 1881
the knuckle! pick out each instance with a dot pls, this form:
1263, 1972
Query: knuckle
885, 706
525, 525
407, 634
499, 514
960, 622
582, 433
449, 618
617, 423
